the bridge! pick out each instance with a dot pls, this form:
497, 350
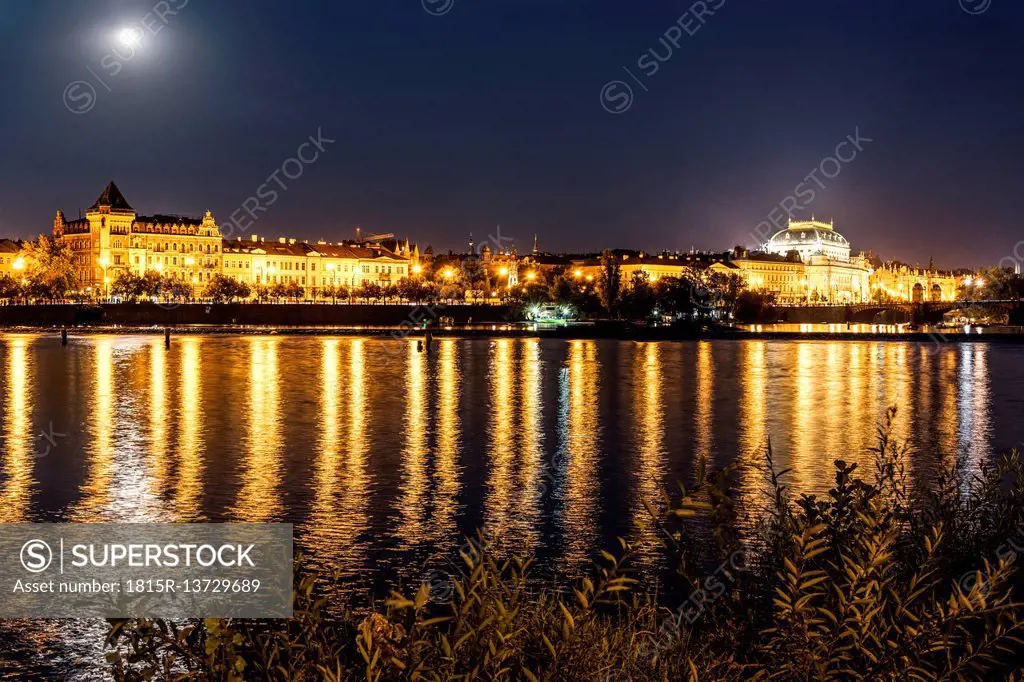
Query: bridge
925, 312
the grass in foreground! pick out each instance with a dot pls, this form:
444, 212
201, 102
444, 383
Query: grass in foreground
870, 582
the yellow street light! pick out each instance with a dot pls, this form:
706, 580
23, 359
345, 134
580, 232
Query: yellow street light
503, 272
190, 261
416, 269
331, 266
577, 274
159, 267
449, 273
590, 278
531, 276
19, 264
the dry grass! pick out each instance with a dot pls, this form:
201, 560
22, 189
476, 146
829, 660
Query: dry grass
870, 582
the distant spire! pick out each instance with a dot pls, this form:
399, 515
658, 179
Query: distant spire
471, 244
536, 248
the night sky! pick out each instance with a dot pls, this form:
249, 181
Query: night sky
490, 112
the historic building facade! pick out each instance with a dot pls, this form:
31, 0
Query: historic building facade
808, 262
899, 282
113, 238
313, 266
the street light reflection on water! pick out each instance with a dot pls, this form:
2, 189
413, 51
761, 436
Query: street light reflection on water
385, 458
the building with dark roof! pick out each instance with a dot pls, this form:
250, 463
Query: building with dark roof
112, 238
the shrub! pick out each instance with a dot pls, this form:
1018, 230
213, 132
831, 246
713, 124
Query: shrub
872, 581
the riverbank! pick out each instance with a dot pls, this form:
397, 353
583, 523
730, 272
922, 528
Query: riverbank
609, 331
401, 321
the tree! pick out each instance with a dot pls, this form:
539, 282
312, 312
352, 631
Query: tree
294, 291
638, 300
277, 291
997, 284
451, 292
129, 286
609, 282
49, 268
755, 306
170, 289
410, 289
224, 289
370, 291
10, 288
151, 283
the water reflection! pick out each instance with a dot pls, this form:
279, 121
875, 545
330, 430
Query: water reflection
446, 472
19, 445
259, 499
579, 434
571, 437
649, 413
191, 462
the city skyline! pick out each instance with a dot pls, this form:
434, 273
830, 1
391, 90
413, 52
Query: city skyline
240, 226
498, 117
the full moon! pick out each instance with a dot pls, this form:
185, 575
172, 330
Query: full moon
129, 36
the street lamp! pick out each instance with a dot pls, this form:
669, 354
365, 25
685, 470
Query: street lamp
416, 269
104, 262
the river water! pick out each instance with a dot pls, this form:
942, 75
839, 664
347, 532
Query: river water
384, 458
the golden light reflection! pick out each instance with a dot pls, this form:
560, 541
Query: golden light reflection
19, 442
580, 432
158, 465
412, 510
753, 412
259, 499
805, 418
449, 440
703, 414
948, 425
190, 458
100, 453
648, 411
498, 503
973, 391
338, 515
531, 445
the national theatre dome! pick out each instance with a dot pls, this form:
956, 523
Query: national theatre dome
810, 238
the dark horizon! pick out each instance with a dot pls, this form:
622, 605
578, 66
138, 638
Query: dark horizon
448, 119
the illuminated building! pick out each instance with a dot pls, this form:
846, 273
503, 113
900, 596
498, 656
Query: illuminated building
312, 266
808, 262
900, 282
651, 267
810, 238
12, 260
112, 238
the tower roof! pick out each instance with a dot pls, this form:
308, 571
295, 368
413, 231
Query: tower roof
112, 198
